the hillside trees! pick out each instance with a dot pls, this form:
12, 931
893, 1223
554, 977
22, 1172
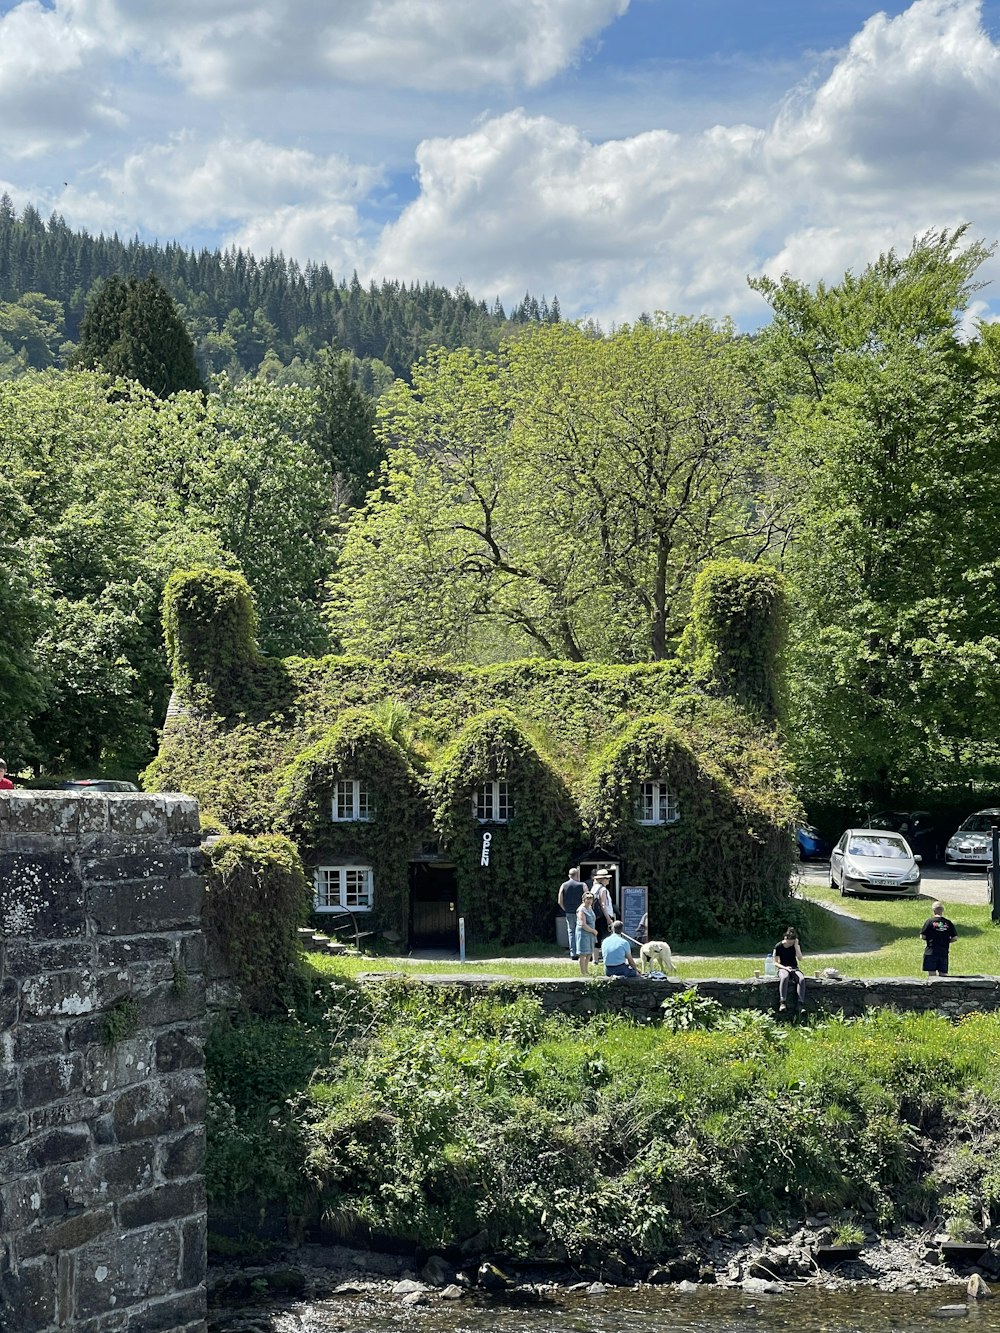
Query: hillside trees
559, 497
886, 422
114, 489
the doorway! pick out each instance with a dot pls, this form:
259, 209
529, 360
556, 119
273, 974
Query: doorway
589, 868
433, 906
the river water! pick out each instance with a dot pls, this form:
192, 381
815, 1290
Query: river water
707, 1310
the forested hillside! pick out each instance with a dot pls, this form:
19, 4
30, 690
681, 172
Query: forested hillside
245, 314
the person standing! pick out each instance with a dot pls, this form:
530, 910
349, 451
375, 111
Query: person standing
604, 908
937, 933
570, 898
5, 782
586, 933
616, 954
788, 960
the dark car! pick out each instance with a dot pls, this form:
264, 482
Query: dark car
812, 845
916, 826
98, 784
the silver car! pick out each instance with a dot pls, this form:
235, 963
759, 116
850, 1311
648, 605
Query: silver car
874, 860
972, 845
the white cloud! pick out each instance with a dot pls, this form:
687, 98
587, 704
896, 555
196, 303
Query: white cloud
53, 86
255, 193
218, 46
660, 220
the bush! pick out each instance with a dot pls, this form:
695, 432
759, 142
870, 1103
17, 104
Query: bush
256, 898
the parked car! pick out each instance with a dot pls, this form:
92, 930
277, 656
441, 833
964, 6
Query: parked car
98, 784
916, 827
972, 844
812, 845
873, 860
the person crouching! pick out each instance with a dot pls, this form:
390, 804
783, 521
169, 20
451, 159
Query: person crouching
617, 954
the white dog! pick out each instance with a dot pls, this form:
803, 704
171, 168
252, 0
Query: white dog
656, 957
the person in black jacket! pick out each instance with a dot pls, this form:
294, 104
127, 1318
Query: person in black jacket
788, 960
570, 898
937, 933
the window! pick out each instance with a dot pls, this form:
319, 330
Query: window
491, 803
339, 887
351, 802
656, 804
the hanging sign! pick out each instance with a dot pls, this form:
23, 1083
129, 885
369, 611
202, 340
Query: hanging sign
487, 839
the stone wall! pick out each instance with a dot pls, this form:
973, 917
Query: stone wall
102, 1208
641, 999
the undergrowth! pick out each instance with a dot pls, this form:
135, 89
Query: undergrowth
430, 1117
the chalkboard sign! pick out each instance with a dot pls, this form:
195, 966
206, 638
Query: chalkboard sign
635, 907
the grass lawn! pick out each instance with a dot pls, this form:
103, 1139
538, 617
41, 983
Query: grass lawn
894, 924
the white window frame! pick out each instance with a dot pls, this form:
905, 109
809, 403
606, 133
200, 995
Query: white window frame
656, 803
353, 797
344, 888
493, 800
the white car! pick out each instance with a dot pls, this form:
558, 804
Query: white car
874, 860
972, 845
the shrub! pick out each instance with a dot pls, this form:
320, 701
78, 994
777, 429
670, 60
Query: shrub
256, 899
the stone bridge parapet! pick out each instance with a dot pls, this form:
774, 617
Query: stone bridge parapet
102, 1093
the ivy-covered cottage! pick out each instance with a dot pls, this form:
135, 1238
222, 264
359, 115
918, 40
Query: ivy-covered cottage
419, 791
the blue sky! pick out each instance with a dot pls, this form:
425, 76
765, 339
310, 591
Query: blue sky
625, 155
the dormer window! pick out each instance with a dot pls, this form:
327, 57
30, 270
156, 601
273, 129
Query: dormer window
656, 804
491, 803
351, 802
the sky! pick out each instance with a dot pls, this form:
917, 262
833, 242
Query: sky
622, 155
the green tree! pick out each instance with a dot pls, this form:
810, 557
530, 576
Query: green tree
886, 426
345, 434
132, 330
559, 497
110, 490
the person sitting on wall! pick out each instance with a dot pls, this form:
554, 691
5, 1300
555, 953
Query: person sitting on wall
586, 933
5, 782
617, 954
788, 960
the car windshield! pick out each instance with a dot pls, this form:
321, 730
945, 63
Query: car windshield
873, 845
981, 822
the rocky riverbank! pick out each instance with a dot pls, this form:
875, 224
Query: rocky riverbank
755, 1260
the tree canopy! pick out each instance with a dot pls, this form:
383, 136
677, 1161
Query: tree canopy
559, 496
110, 489
886, 427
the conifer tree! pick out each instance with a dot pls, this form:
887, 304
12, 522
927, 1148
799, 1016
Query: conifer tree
133, 329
